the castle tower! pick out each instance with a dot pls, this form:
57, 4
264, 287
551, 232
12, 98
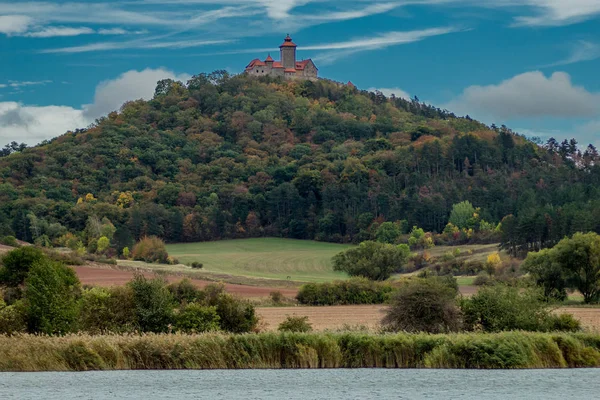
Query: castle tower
288, 53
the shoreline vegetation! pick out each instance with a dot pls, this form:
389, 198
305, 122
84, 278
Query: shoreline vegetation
506, 350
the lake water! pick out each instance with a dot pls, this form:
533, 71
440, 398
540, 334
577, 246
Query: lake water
336, 384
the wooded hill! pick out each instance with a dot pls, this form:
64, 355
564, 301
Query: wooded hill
231, 156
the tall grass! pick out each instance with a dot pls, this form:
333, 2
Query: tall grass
510, 350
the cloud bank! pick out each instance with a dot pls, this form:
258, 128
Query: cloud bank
528, 95
32, 124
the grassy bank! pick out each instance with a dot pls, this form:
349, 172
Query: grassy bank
511, 350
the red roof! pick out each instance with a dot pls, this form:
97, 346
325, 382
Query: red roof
251, 64
277, 64
288, 42
300, 65
269, 59
290, 70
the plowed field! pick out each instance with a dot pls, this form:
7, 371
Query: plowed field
324, 318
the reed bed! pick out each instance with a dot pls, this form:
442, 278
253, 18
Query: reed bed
509, 350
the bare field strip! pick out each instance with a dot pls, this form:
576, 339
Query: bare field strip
324, 318
338, 317
107, 277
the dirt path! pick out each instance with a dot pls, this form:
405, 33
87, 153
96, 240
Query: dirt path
113, 277
323, 318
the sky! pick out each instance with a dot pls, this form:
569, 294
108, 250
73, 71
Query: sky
529, 64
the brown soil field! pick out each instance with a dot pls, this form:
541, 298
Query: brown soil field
103, 276
324, 318
338, 317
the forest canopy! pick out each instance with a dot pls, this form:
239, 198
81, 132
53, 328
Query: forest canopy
232, 156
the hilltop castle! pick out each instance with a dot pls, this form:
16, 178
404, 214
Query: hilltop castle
287, 68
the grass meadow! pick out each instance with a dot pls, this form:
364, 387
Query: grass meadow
271, 258
276, 261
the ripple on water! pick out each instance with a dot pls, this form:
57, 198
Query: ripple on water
340, 384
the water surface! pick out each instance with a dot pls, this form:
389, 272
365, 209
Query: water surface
339, 384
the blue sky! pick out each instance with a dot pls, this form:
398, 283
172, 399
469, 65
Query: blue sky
530, 64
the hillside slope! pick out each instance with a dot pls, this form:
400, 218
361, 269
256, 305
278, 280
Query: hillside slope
228, 157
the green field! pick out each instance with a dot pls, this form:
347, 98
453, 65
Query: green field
272, 258
275, 261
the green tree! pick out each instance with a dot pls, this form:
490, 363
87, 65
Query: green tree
373, 260
387, 232
153, 303
418, 239
17, 263
196, 318
580, 257
503, 308
461, 214
103, 244
547, 273
51, 290
107, 310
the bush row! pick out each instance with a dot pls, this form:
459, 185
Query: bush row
352, 291
41, 295
510, 350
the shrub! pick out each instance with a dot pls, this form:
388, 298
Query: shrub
12, 318
483, 279
503, 308
107, 310
9, 241
352, 291
237, 316
51, 289
102, 259
17, 263
172, 260
125, 252
102, 244
276, 297
492, 261
185, 292
197, 265
68, 258
424, 305
419, 239
564, 322
150, 249
295, 324
153, 303
373, 260
196, 318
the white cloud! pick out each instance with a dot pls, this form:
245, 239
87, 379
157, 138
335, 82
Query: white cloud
528, 95
63, 31
147, 43
338, 50
388, 92
131, 85
14, 24
59, 31
558, 12
581, 51
20, 84
32, 124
